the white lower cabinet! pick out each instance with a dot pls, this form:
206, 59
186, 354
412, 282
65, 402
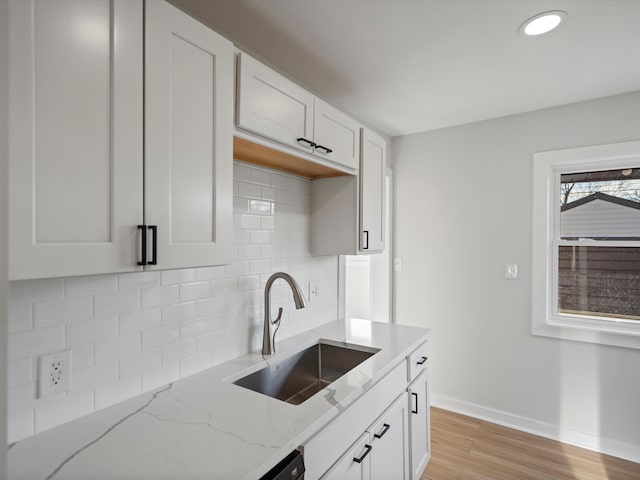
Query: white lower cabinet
419, 420
381, 452
383, 435
355, 464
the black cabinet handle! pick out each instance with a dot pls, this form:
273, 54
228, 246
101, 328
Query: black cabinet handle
154, 243
367, 449
384, 430
415, 395
304, 140
422, 360
326, 150
366, 232
143, 243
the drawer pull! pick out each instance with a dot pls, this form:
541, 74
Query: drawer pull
367, 449
385, 429
143, 244
326, 150
154, 244
415, 396
304, 140
422, 360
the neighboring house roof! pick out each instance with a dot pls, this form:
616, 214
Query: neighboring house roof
601, 196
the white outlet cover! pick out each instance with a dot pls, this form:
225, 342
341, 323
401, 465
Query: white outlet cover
54, 373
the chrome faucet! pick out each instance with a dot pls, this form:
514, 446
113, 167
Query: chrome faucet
269, 340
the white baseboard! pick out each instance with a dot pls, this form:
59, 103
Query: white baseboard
623, 450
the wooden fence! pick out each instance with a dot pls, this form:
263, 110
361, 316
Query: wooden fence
602, 281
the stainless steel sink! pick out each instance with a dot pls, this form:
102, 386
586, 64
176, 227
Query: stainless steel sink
298, 377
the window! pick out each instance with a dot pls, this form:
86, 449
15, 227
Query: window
586, 244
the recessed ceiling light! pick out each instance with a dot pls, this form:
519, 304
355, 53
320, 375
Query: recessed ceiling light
543, 22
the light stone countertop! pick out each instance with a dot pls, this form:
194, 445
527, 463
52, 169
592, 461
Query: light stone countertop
203, 426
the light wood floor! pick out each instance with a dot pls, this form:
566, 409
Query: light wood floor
464, 448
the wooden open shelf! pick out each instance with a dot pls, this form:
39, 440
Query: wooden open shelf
250, 152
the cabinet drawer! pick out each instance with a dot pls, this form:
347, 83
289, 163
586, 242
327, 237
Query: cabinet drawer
417, 362
322, 450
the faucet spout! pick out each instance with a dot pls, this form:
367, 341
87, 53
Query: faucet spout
268, 339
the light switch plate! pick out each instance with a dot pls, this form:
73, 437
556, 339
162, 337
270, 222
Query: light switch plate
397, 264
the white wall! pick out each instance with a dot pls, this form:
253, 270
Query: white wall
133, 332
4, 62
463, 210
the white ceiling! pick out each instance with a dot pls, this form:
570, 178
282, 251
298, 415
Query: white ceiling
406, 66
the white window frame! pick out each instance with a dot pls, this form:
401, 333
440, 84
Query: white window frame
547, 168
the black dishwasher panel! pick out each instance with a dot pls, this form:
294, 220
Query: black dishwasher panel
291, 468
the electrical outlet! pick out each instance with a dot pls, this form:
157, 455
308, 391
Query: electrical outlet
314, 291
397, 264
54, 373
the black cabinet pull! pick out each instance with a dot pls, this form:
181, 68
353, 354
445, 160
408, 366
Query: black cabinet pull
366, 232
367, 449
154, 244
422, 360
385, 429
415, 395
143, 243
304, 140
326, 150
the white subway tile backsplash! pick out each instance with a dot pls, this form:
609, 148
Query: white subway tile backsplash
195, 328
195, 364
178, 313
209, 273
118, 347
20, 317
142, 320
112, 303
158, 337
20, 425
59, 312
90, 331
20, 372
174, 352
176, 277
36, 342
159, 377
209, 306
63, 411
159, 296
82, 356
139, 331
138, 280
79, 286
140, 362
260, 177
118, 391
100, 374
195, 291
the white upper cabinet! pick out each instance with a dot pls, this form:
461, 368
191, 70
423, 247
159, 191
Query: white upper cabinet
347, 213
372, 166
336, 135
188, 139
75, 144
274, 107
78, 150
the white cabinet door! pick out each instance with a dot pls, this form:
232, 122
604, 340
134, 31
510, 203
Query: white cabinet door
272, 105
372, 166
336, 135
390, 442
188, 139
75, 143
354, 464
419, 428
